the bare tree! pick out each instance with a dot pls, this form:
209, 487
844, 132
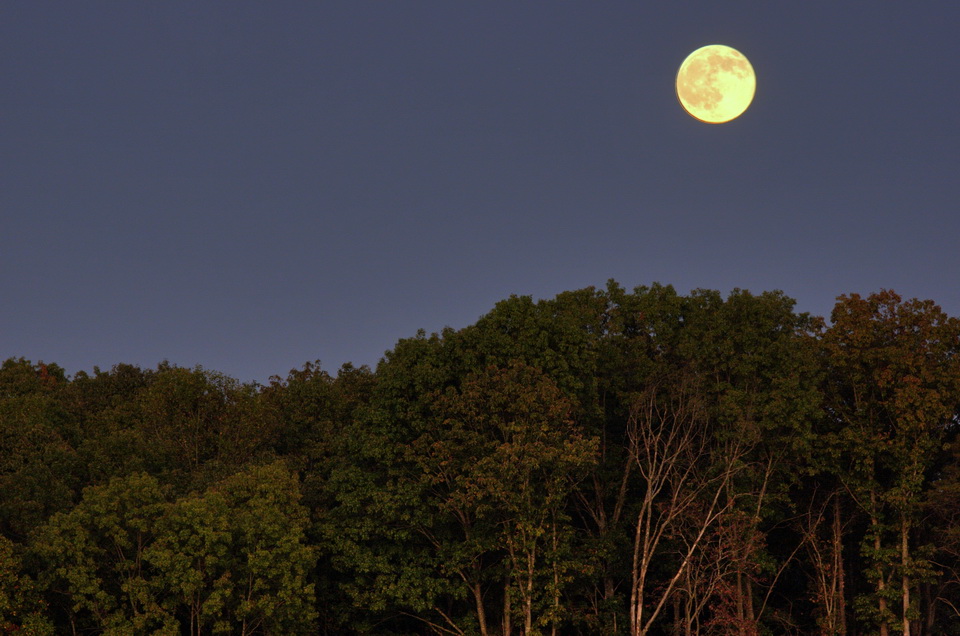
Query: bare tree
709, 565
823, 539
685, 465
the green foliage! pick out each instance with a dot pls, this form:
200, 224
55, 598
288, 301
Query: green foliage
526, 458
236, 556
187, 427
38, 461
94, 554
128, 558
22, 609
429, 514
489, 478
20, 377
893, 393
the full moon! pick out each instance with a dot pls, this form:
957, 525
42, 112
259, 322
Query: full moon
716, 84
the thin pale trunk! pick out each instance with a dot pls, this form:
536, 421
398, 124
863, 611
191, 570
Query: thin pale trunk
689, 605
481, 614
708, 521
637, 572
749, 621
881, 583
599, 514
609, 587
528, 596
249, 597
668, 443
741, 553
840, 607
506, 607
882, 602
634, 587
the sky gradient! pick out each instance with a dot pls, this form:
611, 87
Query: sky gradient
251, 185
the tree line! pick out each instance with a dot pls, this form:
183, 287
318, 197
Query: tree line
604, 462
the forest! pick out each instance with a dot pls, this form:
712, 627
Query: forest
603, 462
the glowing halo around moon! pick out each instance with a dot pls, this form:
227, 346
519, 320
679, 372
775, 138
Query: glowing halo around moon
716, 83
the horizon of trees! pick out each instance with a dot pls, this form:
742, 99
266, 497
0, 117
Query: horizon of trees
604, 462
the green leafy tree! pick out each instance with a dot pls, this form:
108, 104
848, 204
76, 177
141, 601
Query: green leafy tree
22, 609
894, 389
576, 341
187, 427
38, 466
508, 457
379, 504
234, 559
412, 524
753, 362
760, 374
314, 407
38, 462
101, 408
196, 422
19, 377
94, 557
191, 562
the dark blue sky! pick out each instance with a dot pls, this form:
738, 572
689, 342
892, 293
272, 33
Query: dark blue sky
251, 185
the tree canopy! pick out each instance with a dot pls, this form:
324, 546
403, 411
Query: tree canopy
603, 462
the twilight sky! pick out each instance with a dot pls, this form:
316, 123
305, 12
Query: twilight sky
251, 185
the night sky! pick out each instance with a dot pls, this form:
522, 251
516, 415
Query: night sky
251, 185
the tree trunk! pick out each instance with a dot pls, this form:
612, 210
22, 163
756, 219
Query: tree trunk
556, 583
676, 616
881, 583
672, 443
481, 613
839, 573
635, 601
506, 606
905, 577
528, 596
930, 609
